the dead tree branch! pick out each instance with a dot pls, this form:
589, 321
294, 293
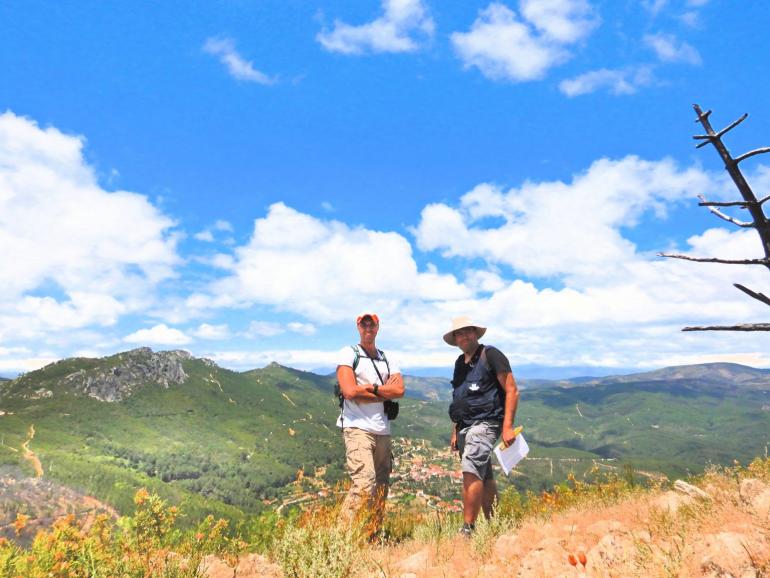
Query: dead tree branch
764, 262
750, 154
721, 215
744, 327
712, 136
759, 221
758, 296
731, 165
741, 204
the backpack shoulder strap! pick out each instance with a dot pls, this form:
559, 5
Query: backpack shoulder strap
385, 359
357, 357
483, 358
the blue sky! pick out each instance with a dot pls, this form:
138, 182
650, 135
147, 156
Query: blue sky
239, 179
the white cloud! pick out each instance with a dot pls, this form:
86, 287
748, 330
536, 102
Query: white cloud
81, 255
669, 49
159, 334
402, 26
484, 281
12, 366
328, 359
617, 82
691, 15
504, 47
259, 329
6, 351
300, 359
556, 277
221, 225
324, 270
206, 236
691, 18
612, 303
264, 329
751, 358
302, 328
557, 228
565, 21
654, 7
237, 66
207, 331
688, 11
97, 308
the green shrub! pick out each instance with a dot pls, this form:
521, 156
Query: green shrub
320, 545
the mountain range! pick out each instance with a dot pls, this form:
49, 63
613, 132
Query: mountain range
232, 443
706, 375
718, 374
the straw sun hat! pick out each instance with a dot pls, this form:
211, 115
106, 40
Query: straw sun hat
461, 323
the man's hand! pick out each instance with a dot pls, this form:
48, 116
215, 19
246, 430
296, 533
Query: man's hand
509, 435
392, 380
453, 440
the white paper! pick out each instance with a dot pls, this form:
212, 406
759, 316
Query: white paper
513, 454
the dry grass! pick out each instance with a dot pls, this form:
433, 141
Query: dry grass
618, 530
607, 528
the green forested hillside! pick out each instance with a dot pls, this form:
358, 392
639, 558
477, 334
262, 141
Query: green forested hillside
674, 427
226, 438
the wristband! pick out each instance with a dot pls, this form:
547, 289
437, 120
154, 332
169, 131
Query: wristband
376, 387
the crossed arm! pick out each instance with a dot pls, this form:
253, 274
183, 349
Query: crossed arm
393, 388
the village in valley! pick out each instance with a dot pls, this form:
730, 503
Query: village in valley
430, 477
421, 473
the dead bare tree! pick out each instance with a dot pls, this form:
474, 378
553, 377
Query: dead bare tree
759, 221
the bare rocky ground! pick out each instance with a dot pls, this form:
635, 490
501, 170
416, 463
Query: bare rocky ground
720, 529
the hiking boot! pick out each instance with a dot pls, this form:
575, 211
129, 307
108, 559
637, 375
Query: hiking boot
467, 530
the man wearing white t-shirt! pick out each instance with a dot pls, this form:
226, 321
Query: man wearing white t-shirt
365, 426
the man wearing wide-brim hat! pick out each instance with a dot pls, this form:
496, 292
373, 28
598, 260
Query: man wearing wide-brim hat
484, 401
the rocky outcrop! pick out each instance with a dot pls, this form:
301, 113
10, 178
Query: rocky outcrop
132, 370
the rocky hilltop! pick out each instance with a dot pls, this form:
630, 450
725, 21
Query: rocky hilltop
135, 368
108, 379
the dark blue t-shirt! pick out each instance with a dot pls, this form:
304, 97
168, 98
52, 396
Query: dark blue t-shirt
496, 359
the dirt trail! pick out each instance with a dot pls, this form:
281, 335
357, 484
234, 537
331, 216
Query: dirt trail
30, 455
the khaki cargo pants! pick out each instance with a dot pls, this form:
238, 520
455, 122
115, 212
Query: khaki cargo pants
368, 458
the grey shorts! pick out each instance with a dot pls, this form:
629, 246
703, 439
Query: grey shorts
475, 444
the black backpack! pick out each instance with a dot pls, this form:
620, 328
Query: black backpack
391, 407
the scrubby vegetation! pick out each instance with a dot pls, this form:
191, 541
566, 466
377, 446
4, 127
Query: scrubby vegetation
649, 538
146, 544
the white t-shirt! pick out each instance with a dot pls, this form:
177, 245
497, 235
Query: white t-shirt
366, 416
